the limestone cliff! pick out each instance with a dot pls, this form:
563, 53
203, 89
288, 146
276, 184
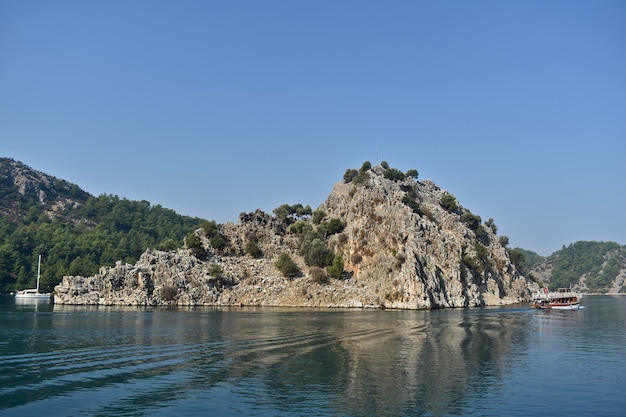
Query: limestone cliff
401, 248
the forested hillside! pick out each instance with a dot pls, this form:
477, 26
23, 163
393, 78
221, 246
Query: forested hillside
595, 267
75, 232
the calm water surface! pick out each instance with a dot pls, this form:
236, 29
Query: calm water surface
88, 361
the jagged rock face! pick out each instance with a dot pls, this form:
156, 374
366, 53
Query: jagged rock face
407, 260
157, 278
393, 258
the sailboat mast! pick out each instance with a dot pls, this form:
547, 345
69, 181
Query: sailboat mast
38, 271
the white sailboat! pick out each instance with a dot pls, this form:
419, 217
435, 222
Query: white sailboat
33, 293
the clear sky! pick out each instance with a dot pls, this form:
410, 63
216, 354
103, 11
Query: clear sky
213, 108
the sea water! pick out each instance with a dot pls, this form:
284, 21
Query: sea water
512, 361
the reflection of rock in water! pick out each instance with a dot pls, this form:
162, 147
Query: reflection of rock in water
360, 362
432, 362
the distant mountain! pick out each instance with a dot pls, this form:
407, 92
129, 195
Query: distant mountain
75, 232
587, 266
592, 267
26, 193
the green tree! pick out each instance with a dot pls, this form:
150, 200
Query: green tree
316, 253
210, 228
282, 212
394, 174
215, 270
412, 173
253, 250
517, 258
350, 175
287, 266
318, 216
286, 212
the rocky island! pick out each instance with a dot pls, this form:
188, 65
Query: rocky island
381, 239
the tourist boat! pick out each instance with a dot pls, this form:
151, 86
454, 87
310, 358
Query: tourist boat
562, 299
33, 293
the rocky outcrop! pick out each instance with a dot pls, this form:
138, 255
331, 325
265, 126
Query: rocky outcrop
400, 249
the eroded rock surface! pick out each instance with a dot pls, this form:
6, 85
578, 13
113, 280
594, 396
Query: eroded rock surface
395, 256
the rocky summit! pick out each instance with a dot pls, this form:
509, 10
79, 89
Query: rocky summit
380, 240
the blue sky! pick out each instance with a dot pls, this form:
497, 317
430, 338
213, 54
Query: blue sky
213, 108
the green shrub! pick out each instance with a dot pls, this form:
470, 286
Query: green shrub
253, 250
361, 177
318, 216
218, 242
193, 242
210, 228
287, 266
336, 269
384, 164
215, 270
413, 205
476, 263
448, 202
300, 227
517, 258
471, 220
482, 235
482, 254
333, 226
471, 263
367, 165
